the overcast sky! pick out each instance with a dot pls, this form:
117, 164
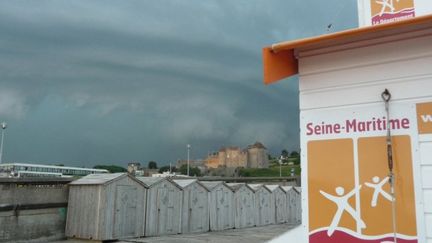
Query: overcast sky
110, 82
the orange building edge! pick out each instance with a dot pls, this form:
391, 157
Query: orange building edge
279, 60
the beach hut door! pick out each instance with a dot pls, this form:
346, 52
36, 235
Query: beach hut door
165, 210
196, 210
247, 211
125, 211
280, 204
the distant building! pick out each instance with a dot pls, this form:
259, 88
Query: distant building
257, 156
254, 156
167, 174
134, 169
150, 172
38, 170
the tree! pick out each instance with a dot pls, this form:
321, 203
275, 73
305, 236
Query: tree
284, 153
294, 154
167, 168
193, 171
111, 168
152, 165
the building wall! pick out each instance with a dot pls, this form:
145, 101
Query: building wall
233, 157
212, 161
222, 158
353, 76
258, 158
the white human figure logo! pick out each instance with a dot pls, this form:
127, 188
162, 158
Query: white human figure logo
342, 204
385, 4
377, 186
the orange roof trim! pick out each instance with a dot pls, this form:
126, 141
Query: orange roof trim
279, 61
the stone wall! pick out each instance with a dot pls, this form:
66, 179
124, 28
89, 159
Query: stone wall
33, 210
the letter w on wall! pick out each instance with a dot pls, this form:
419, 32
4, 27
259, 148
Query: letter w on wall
424, 118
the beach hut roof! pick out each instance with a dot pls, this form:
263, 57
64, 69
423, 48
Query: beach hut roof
152, 181
187, 182
98, 179
273, 187
287, 188
237, 186
256, 187
297, 189
210, 185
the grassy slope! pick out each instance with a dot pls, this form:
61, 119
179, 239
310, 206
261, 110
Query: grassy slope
272, 171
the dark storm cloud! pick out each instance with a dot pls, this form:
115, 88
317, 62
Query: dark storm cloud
87, 82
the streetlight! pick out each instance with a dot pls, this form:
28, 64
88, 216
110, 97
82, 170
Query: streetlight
188, 149
3, 127
280, 166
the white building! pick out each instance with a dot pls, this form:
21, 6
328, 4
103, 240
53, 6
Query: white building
344, 130
38, 170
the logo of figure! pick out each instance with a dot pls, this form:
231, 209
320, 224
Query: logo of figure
377, 186
386, 4
342, 204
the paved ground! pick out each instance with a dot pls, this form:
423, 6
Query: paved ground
248, 235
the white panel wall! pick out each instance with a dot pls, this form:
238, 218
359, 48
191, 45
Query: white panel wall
427, 199
426, 168
355, 77
369, 70
427, 177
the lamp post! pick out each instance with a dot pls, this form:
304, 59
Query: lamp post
280, 166
188, 150
3, 127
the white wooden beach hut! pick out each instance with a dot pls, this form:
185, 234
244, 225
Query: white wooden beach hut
291, 196
292, 206
195, 210
106, 207
164, 203
221, 205
263, 204
244, 205
279, 199
298, 203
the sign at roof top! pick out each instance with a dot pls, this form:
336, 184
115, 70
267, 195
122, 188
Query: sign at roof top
374, 12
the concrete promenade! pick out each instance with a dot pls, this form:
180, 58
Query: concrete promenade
249, 235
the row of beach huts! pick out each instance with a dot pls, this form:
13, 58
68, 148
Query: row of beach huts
118, 206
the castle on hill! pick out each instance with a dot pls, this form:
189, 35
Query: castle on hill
253, 156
